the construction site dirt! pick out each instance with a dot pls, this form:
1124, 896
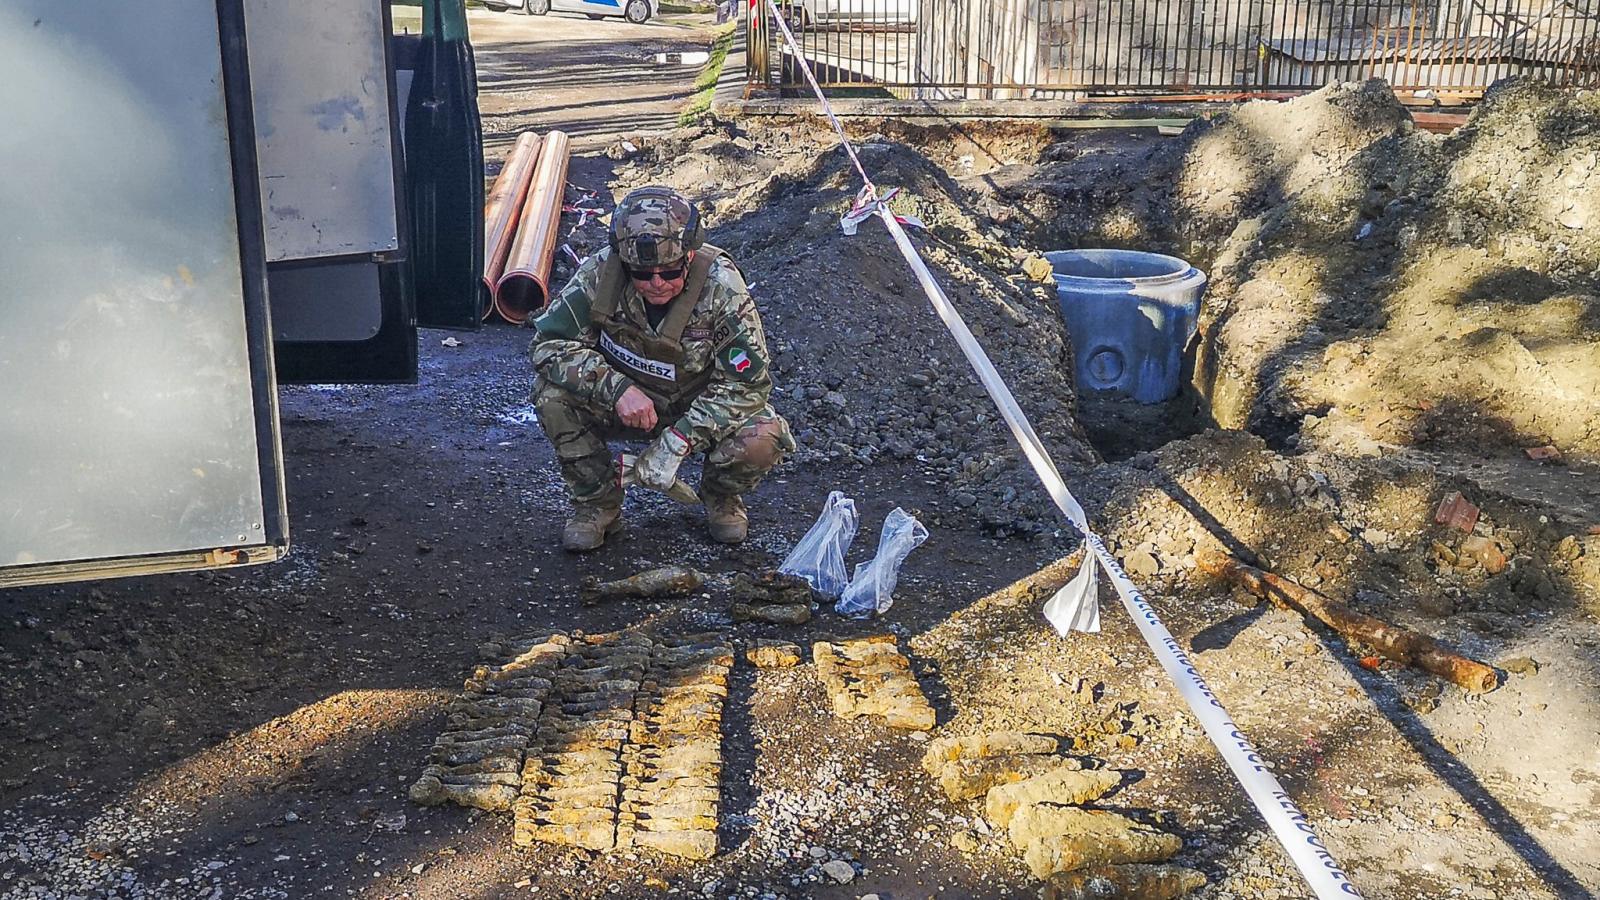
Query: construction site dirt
1394, 318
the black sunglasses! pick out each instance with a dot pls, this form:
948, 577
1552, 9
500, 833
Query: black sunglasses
663, 274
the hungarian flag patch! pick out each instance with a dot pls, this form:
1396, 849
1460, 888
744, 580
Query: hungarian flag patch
741, 362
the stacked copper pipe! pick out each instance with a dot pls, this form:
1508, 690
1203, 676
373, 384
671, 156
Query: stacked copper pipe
502, 210
524, 287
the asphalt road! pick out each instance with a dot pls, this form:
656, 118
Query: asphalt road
593, 79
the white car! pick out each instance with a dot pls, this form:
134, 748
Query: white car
873, 12
636, 11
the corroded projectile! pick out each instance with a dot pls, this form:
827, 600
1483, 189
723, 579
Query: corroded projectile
1062, 787
430, 791
773, 614
774, 655
688, 787
979, 746
667, 581
491, 765
463, 754
963, 779
597, 836
1064, 838
458, 777
687, 844
1129, 882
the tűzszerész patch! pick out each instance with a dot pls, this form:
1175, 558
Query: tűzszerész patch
655, 368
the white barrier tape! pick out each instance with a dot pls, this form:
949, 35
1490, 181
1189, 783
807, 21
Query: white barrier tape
1316, 864
866, 207
1288, 824
827, 109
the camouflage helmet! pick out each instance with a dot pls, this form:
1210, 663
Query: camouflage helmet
655, 226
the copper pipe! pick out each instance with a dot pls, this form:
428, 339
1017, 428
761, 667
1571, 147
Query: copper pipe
525, 287
502, 209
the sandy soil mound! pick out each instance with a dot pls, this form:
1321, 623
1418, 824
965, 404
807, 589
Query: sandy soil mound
1185, 195
1356, 529
1435, 291
1363, 532
1257, 155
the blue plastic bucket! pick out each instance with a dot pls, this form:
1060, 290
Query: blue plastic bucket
1131, 317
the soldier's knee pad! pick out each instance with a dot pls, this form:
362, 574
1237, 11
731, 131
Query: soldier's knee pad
759, 445
763, 450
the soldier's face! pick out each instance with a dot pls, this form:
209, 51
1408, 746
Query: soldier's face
657, 289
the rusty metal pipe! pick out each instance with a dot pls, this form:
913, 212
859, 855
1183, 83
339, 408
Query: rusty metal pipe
502, 209
525, 286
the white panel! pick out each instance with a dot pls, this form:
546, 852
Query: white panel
323, 129
127, 419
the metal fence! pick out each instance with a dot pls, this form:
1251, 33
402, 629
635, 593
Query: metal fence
1085, 49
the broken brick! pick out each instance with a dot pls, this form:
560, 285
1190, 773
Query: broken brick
1542, 453
1456, 511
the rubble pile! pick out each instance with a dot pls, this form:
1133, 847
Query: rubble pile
831, 301
603, 742
871, 677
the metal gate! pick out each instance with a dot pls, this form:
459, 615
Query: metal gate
1201, 49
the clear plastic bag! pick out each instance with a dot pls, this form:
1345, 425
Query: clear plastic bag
819, 557
872, 588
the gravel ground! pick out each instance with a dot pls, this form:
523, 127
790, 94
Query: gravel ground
252, 733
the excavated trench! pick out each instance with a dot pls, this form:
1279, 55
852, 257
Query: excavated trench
1373, 291
1369, 284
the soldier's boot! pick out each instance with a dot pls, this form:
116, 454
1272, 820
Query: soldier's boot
590, 525
587, 466
735, 466
726, 518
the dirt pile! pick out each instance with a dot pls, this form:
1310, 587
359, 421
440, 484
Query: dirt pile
1252, 158
1436, 291
1185, 195
1371, 284
1359, 530
866, 373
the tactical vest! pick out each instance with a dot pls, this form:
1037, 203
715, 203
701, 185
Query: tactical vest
653, 360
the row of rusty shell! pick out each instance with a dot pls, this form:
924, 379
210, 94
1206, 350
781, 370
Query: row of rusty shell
521, 216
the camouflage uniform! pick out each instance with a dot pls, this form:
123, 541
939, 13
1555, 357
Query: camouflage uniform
716, 395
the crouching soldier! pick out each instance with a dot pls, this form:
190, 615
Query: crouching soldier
656, 335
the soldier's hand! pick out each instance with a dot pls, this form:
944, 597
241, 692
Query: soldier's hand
635, 410
657, 467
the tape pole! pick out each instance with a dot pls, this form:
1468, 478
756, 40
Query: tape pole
1320, 870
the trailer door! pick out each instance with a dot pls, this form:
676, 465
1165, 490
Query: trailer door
444, 165
371, 180
138, 427
328, 141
